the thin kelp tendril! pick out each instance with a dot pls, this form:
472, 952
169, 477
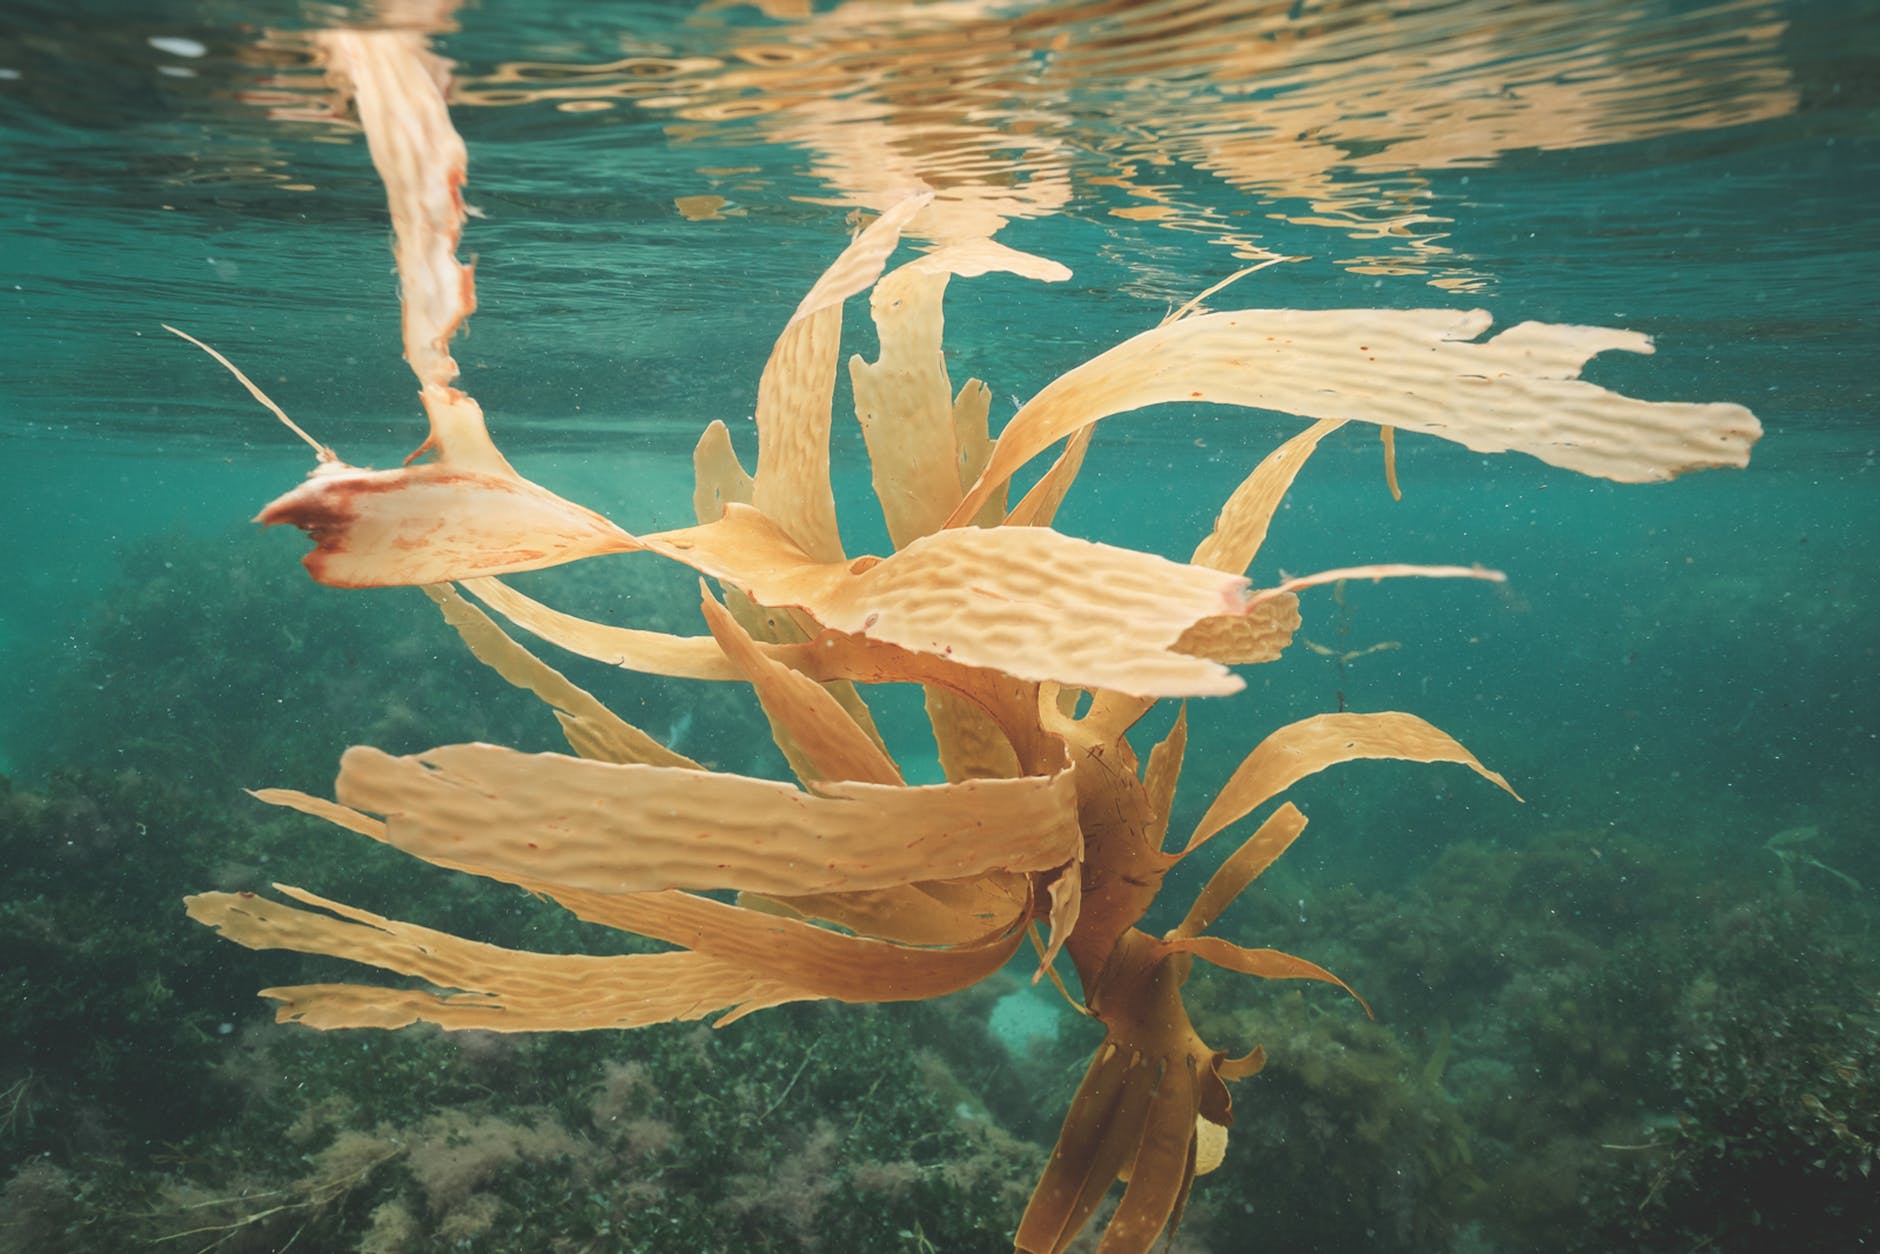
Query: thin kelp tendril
320, 450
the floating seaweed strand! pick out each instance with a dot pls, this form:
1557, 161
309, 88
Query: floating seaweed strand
1047, 816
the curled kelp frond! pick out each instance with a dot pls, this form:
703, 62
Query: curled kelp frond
1310, 745
433, 523
1421, 370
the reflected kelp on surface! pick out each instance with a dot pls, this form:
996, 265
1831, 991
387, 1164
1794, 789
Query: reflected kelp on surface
1337, 113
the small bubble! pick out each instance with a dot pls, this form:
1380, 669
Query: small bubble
177, 46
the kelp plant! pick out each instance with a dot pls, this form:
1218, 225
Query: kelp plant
1037, 654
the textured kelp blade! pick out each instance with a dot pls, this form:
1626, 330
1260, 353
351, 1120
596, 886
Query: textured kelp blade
972, 412
798, 384
1310, 745
592, 729
1027, 601
629, 828
904, 399
799, 955
502, 990
1161, 775
1242, 867
1240, 528
796, 959
435, 523
1416, 369
816, 734
969, 740
1161, 1168
649, 652
1268, 964
912, 914
1261, 634
1101, 1134
718, 476
904, 402
1039, 506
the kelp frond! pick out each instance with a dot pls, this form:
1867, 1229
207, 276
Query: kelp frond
851, 884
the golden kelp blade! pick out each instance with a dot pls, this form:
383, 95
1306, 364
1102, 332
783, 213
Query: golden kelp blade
1242, 867
1162, 1168
795, 392
499, 990
1097, 1141
799, 955
1027, 601
1268, 964
1310, 745
562, 821
904, 402
1241, 526
977, 921
1415, 369
815, 733
649, 652
435, 523
593, 730
1259, 635
904, 399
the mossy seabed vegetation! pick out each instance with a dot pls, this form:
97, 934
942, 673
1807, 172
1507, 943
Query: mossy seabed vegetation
1582, 1043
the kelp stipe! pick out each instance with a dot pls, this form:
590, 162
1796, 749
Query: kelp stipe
1048, 816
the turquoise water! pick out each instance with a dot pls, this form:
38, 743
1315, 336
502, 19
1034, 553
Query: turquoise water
1673, 677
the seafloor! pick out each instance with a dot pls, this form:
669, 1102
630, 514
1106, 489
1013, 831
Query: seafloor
1623, 1039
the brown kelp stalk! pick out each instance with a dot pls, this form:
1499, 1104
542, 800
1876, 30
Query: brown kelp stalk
1037, 652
